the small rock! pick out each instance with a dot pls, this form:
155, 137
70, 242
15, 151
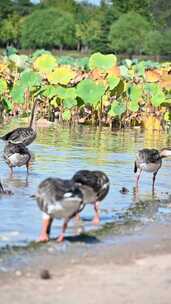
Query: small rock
45, 274
18, 273
124, 190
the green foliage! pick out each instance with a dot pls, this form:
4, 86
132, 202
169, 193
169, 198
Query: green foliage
48, 28
123, 36
153, 43
117, 108
45, 63
90, 92
102, 62
61, 75
30, 79
3, 86
17, 93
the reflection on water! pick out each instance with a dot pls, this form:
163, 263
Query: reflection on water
61, 152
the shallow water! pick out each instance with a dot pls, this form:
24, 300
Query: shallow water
60, 152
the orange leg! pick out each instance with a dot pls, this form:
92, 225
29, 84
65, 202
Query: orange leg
64, 227
45, 230
96, 219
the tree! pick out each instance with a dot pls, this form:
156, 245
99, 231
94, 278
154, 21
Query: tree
153, 43
127, 34
10, 30
48, 28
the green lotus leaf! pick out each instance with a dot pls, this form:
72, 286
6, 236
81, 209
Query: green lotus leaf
45, 63
64, 93
119, 89
17, 92
158, 99
152, 89
30, 79
135, 93
113, 81
133, 106
140, 68
128, 63
66, 115
7, 103
167, 116
124, 71
3, 86
61, 75
102, 62
117, 108
69, 103
49, 91
89, 91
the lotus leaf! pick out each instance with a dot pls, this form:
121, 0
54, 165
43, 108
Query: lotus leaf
66, 92
21, 61
90, 92
30, 79
3, 86
49, 91
158, 99
115, 71
167, 116
152, 88
140, 68
61, 75
152, 76
17, 93
7, 103
135, 93
124, 71
45, 63
69, 103
117, 108
133, 106
119, 89
102, 62
66, 115
113, 81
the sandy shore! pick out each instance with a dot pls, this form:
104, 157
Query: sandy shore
134, 268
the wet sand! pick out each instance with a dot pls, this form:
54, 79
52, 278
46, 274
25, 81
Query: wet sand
128, 269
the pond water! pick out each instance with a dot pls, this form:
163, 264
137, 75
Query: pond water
60, 152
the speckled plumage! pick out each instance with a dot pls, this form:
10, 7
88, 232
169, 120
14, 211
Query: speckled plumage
94, 184
59, 198
16, 155
150, 160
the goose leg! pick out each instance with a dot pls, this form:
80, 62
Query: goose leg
27, 166
64, 227
154, 178
96, 219
138, 178
11, 171
45, 229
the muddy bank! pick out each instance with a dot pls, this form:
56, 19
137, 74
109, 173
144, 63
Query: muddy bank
133, 268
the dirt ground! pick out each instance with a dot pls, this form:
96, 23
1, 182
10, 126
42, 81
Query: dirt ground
134, 269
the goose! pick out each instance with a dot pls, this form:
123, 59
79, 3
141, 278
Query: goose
150, 160
16, 155
58, 198
24, 135
94, 186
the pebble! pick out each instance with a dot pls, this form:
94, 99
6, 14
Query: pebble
45, 274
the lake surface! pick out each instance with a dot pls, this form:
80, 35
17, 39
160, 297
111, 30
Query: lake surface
60, 152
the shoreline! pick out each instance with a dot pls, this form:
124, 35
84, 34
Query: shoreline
132, 268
